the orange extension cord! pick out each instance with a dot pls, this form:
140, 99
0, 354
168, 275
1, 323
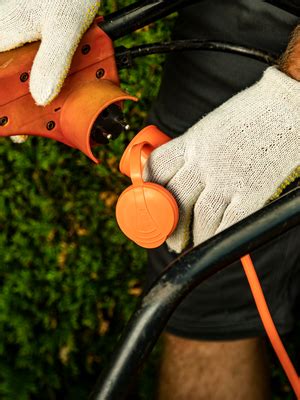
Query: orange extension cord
268, 323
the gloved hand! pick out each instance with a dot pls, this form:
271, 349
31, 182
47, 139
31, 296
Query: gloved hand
60, 24
230, 163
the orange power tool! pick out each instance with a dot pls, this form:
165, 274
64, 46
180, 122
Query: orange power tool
87, 112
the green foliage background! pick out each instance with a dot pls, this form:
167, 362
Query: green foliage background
69, 279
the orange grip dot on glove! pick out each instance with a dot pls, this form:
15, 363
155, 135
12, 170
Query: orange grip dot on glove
146, 212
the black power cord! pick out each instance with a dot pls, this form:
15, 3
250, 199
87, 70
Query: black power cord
125, 56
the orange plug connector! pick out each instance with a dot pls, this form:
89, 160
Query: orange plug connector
146, 212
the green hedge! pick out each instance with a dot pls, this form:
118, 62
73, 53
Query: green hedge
69, 279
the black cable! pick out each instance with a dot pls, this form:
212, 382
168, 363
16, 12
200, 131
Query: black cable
124, 56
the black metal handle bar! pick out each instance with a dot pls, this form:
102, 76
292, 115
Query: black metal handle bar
139, 14
143, 12
187, 272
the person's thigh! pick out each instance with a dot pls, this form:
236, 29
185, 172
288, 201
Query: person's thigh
196, 370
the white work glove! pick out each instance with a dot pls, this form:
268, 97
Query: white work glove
231, 162
59, 24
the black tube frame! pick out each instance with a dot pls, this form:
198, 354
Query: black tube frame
196, 265
187, 272
140, 14
143, 12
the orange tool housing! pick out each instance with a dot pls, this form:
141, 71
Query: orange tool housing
146, 212
91, 86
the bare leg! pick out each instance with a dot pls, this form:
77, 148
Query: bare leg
196, 370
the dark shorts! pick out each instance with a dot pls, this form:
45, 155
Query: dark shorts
194, 83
